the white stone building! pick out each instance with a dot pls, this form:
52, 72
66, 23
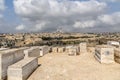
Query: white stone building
61, 49
54, 49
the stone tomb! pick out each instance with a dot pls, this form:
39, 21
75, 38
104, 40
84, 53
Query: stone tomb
91, 49
32, 52
7, 58
22, 69
104, 54
44, 50
54, 49
73, 51
67, 48
83, 47
61, 49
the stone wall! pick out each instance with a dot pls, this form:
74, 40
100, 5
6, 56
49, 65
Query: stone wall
73, 51
54, 49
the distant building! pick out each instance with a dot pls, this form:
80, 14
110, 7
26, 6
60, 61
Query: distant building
113, 43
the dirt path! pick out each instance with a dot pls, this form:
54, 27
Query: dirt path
82, 67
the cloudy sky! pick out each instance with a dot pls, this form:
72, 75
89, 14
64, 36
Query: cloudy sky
70, 15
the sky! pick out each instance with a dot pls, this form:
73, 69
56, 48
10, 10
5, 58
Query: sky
49, 15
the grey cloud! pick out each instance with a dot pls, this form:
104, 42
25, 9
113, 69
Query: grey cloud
48, 15
54, 13
110, 0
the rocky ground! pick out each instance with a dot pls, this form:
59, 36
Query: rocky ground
83, 67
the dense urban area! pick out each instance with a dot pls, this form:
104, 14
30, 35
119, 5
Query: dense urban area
55, 39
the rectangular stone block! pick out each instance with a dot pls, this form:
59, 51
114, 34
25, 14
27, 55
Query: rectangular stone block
113, 43
32, 52
61, 49
67, 48
104, 54
83, 47
54, 49
22, 69
73, 51
44, 50
36, 51
7, 58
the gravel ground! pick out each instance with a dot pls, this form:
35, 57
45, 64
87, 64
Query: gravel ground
83, 67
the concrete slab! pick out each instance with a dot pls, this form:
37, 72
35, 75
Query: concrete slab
83, 47
44, 50
117, 55
7, 58
83, 67
22, 69
104, 54
32, 52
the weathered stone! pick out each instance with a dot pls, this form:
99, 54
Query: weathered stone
55, 49
83, 47
44, 50
104, 54
22, 69
7, 58
61, 49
